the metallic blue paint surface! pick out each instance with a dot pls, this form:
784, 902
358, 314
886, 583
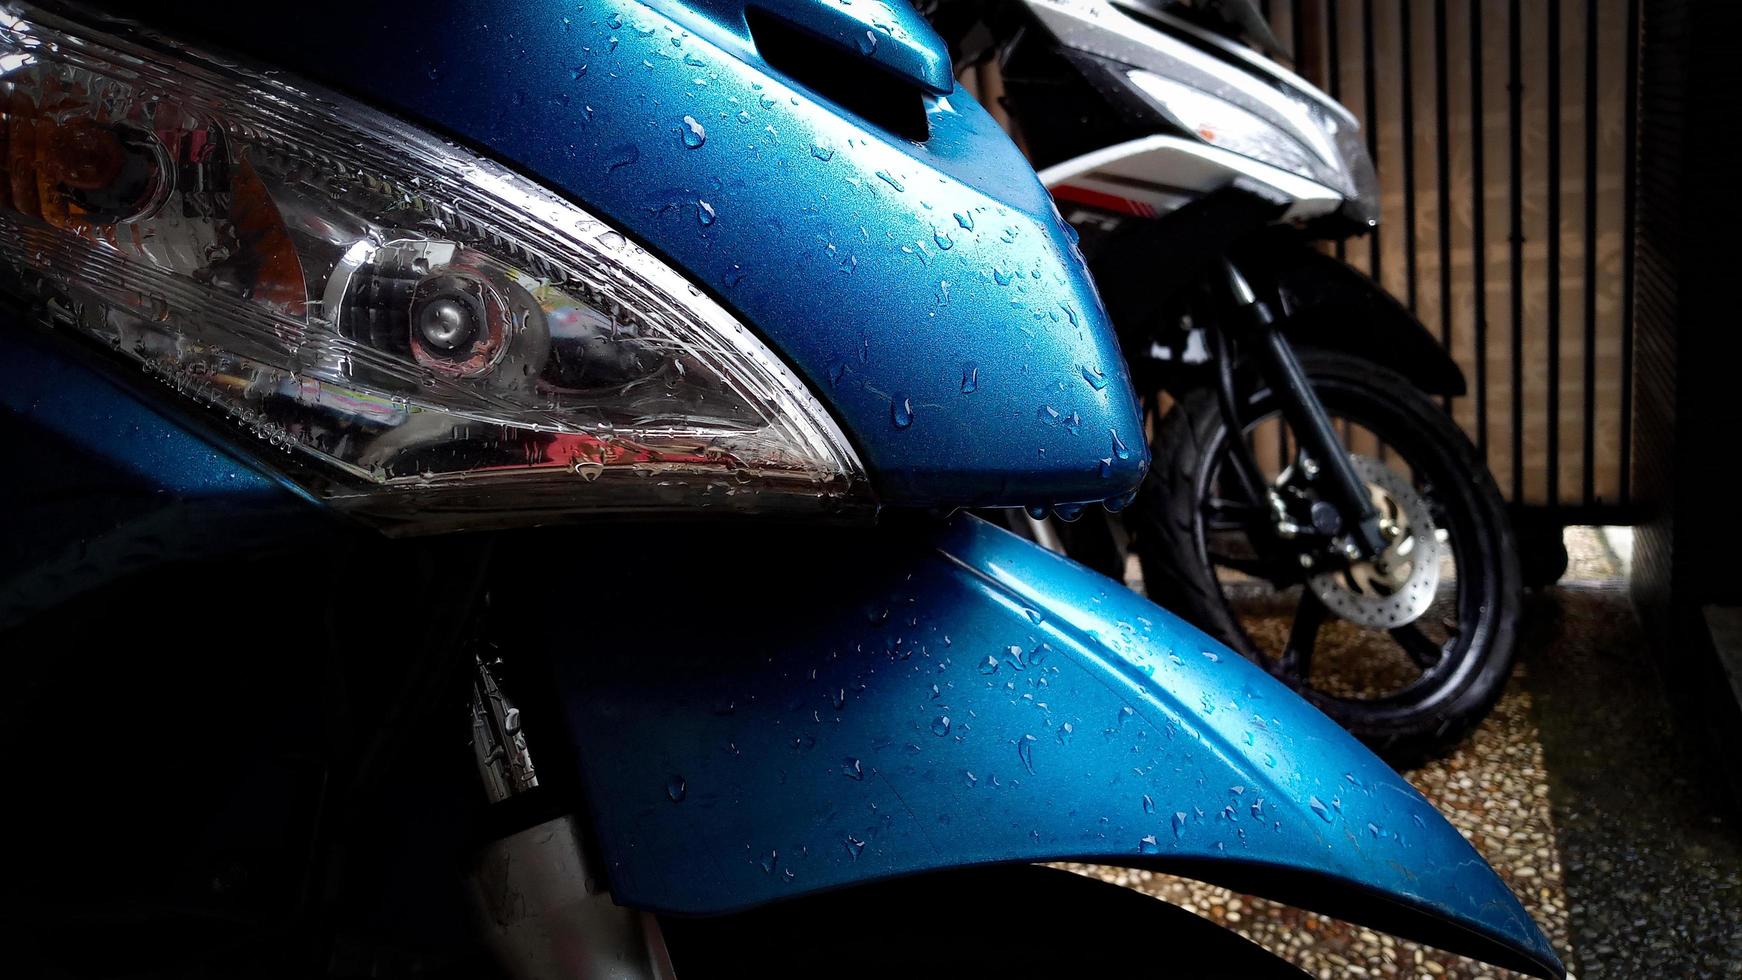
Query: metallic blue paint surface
99, 424
928, 292
973, 698
892, 34
101, 484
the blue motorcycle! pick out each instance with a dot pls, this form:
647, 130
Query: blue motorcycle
692, 324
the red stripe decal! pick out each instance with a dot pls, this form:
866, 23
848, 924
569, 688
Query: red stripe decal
1106, 202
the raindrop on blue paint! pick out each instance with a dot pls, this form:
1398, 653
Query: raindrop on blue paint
692, 132
621, 155
901, 411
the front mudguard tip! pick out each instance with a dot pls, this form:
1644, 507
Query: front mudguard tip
953, 696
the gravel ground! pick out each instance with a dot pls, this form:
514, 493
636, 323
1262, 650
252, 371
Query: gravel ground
1653, 867
1579, 798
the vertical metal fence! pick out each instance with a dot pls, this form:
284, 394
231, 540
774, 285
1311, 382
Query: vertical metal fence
1504, 134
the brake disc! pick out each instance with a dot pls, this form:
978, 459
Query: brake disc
1397, 586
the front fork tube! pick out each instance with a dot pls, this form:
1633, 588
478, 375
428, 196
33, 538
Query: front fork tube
1305, 415
540, 901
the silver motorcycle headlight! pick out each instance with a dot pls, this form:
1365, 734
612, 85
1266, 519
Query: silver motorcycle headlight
1224, 124
423, 332
1314, 144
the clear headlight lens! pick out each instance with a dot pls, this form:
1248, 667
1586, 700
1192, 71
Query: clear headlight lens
430, 334
1224, 124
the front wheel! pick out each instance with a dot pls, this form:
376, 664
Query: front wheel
1407, 651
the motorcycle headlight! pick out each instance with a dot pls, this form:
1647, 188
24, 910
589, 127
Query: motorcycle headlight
422, 331
1224, 124
1313, 144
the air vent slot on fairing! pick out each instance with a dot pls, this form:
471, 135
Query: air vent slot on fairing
840, 75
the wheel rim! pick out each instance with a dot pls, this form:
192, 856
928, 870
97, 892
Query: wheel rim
1351, 672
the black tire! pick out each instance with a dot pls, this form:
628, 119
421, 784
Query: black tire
1542, 549
1435, 711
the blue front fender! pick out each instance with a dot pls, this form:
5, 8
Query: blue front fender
844, 711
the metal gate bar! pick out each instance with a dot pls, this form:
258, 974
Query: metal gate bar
1551, 398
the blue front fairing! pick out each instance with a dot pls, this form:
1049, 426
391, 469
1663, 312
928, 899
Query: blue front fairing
927, 291
787, 710
939, 698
